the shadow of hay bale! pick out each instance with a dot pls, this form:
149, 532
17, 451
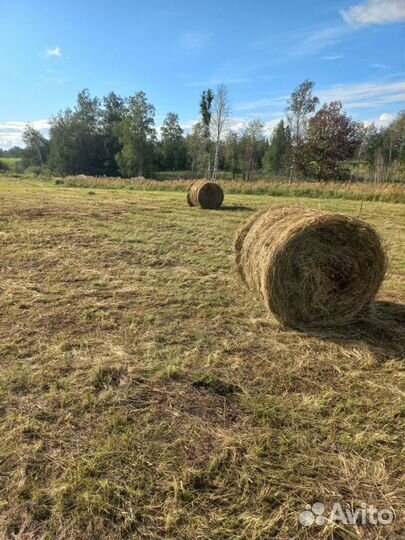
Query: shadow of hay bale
237, 208
382, 331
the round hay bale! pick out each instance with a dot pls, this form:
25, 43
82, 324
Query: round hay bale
205, 194
312, 268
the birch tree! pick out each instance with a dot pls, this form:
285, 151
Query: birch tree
251, 138
221, 112
37, 146
301, 104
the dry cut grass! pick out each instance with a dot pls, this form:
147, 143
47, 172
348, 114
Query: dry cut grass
145, 393
319, 190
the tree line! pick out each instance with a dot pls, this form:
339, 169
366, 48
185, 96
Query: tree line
117, 136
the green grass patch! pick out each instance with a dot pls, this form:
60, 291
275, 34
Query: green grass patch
8, 163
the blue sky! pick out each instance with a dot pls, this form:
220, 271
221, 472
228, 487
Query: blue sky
261, 49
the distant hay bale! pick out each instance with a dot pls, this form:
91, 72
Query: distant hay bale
312, 268
205, 194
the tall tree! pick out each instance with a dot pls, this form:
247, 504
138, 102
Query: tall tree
276, 156
383, 150
114, 110
77, 145
197, 151
136, 133
333, 136
232, 153
221, 111
207, 98
299, 107
36, 147
63, 144
394, 139
90, 155
252, 143
173, 144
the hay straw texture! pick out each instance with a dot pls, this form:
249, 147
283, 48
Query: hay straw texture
205, 194
312, 269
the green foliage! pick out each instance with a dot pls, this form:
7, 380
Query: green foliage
173, 147
207, 98
12, 165
232, 153
299, 108
275, 160
300, 105
33, 169
197, 150
332, 138
253, 145
77, 142
202, 131
36, 149
115, 136
114, 110
15, 152
137, 136
383, 150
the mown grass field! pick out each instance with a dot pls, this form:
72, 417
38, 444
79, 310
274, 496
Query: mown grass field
146, 394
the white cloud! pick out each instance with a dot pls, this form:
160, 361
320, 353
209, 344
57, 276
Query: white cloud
265, 103
192, 40
335, 57
383, 120
375, 12
11, 132
310, 42
215, 82
51, 52
379, 66
270, 125
366, 95
370, 95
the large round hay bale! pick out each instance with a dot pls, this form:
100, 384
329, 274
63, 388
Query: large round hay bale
311, 268
205, 194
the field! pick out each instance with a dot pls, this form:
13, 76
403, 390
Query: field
146, 394
384, 192
9, 162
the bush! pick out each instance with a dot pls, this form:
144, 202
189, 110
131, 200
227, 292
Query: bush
38, 171
18, 167
33, 169
3, 166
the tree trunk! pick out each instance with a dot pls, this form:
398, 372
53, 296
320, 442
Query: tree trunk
214, 172
40, 156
